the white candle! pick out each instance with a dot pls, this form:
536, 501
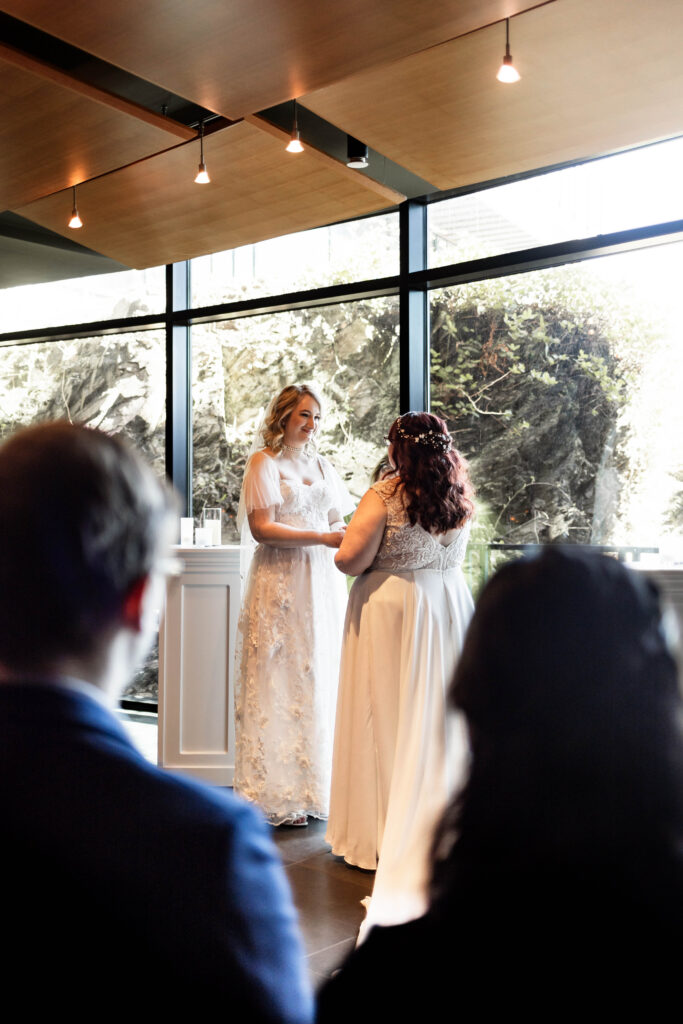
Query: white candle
186, 531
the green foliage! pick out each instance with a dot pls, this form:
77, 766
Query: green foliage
531, 373
674, 514
116, 383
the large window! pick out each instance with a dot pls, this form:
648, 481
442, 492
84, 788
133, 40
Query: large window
560, 384
348, 350
354, 251
562, 387
114, 382
83, 300
613, 194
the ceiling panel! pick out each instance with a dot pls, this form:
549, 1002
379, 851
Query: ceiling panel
53, 136
596, 77
243, 56
23, 261
152, 212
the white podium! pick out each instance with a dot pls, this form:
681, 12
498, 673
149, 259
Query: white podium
196, 670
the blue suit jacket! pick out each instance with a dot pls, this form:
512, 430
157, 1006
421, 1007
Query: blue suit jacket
119, 878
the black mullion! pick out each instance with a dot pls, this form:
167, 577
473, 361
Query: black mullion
95, 328
179, 385
413, 308
263, 305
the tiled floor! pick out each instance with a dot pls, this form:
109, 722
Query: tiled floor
326, 891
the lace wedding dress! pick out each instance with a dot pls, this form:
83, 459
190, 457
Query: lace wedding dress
288, 647
398, 751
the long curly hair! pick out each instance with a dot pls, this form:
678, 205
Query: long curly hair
279, 411
434, 475
571, 697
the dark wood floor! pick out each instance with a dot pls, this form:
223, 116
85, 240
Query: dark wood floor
327, 893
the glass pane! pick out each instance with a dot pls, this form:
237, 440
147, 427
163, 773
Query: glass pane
353, 251
349, 351
116, 383
562, 387
619, 192
144, 686
83, 299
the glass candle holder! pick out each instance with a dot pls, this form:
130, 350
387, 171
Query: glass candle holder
211, 520
202, 537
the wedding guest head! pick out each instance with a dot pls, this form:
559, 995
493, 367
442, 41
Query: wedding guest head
570, 692
291, 400
434, 474
84, 525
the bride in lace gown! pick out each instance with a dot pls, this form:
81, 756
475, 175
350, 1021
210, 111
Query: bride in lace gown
398, 752
289, 632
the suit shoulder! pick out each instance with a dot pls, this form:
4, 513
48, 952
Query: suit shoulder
201, 800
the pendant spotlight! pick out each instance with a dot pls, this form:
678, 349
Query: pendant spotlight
356, 153
75, 221
294, 144
507, 72
202, 173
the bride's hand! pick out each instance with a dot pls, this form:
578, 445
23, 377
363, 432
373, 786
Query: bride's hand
333, 539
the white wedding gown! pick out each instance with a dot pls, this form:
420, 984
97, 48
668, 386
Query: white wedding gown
288, 648
399, 752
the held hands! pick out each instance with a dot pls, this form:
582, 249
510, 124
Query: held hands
334, 538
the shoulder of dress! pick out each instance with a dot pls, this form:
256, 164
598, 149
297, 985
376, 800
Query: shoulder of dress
387, 489
328, 466
263, 458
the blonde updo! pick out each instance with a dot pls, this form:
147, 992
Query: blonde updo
279, 411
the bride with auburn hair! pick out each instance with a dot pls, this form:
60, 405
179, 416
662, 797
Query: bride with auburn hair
398, 754
292, 504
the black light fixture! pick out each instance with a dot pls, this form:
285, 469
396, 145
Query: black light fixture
75, 221
294, 145
507, 72
202, 177
356, 153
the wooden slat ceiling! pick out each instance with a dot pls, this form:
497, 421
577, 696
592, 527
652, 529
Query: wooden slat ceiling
596, 77
52, 136
152, 212
240, 56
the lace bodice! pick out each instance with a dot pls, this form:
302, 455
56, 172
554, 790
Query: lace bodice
405, 547
306, 506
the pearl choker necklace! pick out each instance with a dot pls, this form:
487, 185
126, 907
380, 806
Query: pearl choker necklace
291, 448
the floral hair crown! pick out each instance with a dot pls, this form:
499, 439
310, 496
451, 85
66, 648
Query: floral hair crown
433, 438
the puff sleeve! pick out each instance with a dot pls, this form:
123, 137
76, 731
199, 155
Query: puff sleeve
261, 485
343, 502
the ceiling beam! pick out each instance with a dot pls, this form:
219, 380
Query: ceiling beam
42, 69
